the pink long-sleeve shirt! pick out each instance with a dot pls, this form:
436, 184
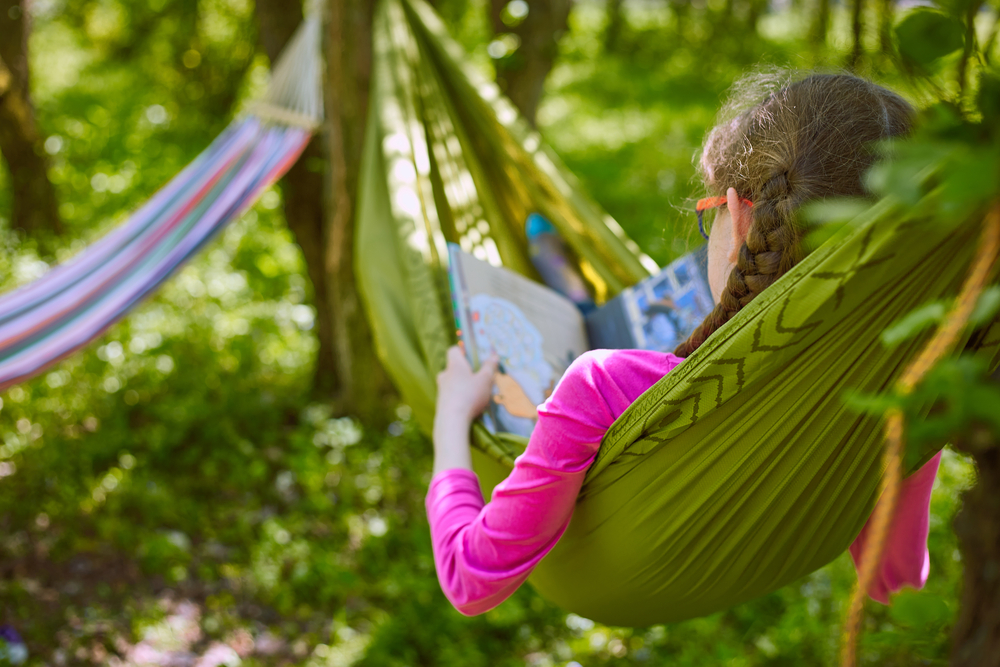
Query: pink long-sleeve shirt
484, 551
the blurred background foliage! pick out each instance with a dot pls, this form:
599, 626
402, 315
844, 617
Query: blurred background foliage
171, 496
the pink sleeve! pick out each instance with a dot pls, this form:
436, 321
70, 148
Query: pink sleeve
905, 561
483, 552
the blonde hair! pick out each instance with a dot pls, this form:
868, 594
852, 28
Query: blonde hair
806, 140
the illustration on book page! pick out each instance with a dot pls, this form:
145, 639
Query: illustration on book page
499, 325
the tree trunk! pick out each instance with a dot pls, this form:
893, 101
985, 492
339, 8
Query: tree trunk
521, 75
682, 17
320, 206
613, 26
363, 386
976, 636
34, 207
857, 34
303, 190
886, 15
757, 7
727, 13
820, 24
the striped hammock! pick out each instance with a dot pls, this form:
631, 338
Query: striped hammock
50, 318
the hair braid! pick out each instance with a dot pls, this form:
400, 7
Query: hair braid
806, 140
772, 248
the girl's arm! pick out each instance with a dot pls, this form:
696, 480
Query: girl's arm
483, 552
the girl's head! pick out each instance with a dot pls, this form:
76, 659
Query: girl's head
805, 140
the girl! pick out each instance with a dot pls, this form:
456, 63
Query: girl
807, 140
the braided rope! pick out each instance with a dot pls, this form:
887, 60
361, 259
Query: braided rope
939, 346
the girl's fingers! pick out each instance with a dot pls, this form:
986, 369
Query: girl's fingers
489, 366
455, 355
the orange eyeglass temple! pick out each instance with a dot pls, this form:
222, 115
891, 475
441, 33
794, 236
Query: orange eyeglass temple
712, 202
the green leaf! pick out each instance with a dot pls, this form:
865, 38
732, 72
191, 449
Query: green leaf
872, 404
819, 235
983, 400
970, 178
986, 307
925, 35
906, 172
988, 96
839, 209
915, 609
826, 217
913, 323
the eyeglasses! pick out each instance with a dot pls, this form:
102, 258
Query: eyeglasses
712, 202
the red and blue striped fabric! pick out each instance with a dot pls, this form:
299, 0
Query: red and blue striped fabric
48, 319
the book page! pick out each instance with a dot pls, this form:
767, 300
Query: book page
535, 331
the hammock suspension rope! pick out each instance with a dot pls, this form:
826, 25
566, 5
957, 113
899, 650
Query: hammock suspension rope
943, 343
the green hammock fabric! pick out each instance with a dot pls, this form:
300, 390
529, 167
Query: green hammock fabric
739, 472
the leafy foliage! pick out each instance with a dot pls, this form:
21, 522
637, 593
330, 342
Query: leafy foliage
946, 173
926, 34
171, 488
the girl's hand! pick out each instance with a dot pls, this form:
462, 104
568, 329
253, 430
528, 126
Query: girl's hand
462, 393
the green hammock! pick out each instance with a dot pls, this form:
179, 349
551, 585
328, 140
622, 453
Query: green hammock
740, 471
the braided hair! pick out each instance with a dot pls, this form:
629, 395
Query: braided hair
806, 140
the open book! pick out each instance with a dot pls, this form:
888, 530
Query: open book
537, 332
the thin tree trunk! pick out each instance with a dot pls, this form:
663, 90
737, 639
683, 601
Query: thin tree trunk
857, 34
820, 24
757, 7
976, 635
727, 13
613, 26
522, 75
35, 208
682, 16
319, 193
886, 15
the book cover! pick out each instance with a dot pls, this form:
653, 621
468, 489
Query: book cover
659, 312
